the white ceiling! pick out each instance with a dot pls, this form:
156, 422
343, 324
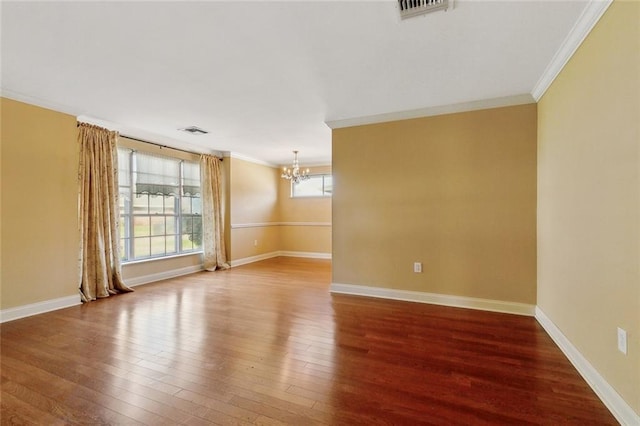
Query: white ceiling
264, 77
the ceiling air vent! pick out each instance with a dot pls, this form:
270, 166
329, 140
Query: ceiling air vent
411, 8
194, 130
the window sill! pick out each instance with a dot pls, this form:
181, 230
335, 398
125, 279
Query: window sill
154, 259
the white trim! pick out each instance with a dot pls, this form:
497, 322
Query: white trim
23, 311
432, 111
256, 258
265, 224
305, 254
435, 299
155, 259
305, 223
159, 276
613, 401
253, 225
583, 26
42, 103
278, 253
239, 156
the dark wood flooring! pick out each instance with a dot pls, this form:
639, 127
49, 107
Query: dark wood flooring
266, 344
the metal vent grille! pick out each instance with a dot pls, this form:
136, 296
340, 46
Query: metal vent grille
411, 8
194, 130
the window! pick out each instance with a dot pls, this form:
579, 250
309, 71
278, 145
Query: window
315, 186
160, 205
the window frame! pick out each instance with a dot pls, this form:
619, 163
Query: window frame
127, 215
324, 194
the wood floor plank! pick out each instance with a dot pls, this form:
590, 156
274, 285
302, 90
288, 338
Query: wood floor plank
267, 344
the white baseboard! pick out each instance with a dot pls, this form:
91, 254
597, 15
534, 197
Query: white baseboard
265, 256
306, 254
23, 311
435, 299
256, 258
614, 402
147, 279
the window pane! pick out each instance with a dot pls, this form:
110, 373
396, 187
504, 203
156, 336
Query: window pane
196, 235
124, 170
156, 204
157, 225
141, 247
141, 226
328, 185
196, 204
123, 199
171, 244
308, 188
141, 204
186, 205
171, 225
157, 245
170, 204
191, 178
187, 244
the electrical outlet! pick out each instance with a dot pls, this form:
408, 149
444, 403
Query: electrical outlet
255, 243
622, 340
417, 267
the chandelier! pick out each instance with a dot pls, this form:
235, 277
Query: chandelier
294, 174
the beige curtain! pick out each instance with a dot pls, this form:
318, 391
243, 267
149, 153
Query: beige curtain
99, 260
215, 256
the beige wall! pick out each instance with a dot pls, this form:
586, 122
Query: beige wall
254, 200
589, 198
39, 204
261, 204
306, 221
456, 192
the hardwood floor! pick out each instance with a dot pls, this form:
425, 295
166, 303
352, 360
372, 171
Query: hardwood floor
266, 344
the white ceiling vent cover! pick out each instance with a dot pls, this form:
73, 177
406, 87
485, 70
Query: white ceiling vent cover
194, 130
411, 8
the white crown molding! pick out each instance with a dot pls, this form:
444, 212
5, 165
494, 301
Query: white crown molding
238, 156
522, 99
614, 402
583, 26
23, 311
435, 299
43, 103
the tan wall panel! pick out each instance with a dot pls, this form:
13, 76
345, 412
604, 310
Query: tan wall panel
313, 239
39, 204
305, 209
254, 200
254, 192
456, 192
243, 240
589, 198
156, 266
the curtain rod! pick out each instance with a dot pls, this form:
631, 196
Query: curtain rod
166, 146
157, 144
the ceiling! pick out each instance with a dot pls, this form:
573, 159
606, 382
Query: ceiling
264, 77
